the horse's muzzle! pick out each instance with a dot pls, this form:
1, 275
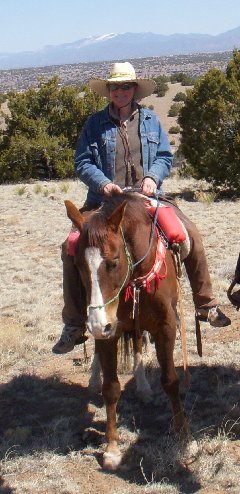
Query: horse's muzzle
101, 332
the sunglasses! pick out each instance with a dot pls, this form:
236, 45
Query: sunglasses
124, 87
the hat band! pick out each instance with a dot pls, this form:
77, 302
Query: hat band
118, 75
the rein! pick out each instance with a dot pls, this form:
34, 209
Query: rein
130, 265
154, 224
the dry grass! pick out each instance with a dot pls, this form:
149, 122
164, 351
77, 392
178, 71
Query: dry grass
51, 430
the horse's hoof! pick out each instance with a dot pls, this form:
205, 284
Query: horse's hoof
111, 461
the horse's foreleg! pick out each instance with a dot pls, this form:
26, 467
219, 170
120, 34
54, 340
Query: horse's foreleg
95, 381
107, 351
144, 391
164, 343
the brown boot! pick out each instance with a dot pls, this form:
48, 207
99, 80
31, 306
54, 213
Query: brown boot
71, 336
214, 316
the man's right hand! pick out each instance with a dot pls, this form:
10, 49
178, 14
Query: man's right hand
110, 188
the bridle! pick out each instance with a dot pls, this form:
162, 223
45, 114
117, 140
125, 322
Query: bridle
130, 264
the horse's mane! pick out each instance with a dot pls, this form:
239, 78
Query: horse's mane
96, 228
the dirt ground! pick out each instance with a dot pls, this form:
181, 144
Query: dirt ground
51, 427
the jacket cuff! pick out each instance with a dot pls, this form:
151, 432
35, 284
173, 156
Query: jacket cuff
102, 185
152, 176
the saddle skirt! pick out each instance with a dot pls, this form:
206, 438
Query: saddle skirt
72, 241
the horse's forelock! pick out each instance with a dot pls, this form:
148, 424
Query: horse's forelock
135, 210
96, 230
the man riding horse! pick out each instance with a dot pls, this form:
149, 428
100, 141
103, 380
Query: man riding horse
124, 145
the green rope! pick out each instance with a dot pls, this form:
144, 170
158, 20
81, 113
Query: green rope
129, 270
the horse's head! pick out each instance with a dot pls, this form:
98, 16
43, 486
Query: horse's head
103, 265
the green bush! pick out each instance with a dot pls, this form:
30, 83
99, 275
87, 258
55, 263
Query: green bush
175, 129
161, 85
3, 98
211, 127
185, 79
174, 110
42, 130
180, 97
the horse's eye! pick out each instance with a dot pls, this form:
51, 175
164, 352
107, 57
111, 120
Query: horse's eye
111, 264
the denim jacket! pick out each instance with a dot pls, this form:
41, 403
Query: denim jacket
96, 151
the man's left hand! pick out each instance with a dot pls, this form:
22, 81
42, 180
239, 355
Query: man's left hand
148, 186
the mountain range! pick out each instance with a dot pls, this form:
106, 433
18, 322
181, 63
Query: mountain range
122, 47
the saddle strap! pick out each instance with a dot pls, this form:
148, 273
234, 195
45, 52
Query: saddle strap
182, 329
198, 335
135, 315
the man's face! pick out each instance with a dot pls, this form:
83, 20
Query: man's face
121, 94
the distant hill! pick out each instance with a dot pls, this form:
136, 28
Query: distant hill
122, 46
194, 65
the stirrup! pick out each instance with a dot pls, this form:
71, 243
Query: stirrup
230, 294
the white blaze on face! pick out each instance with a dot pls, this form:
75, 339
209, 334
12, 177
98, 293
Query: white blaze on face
97, 318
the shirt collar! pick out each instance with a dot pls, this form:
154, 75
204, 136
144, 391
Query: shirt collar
114, 115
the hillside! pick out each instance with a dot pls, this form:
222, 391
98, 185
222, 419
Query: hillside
77, 74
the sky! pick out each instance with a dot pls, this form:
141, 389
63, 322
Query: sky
29, 25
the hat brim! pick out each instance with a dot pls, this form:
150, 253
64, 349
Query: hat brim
145, 87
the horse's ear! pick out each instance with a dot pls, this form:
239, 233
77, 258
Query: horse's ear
74, 214
116, 217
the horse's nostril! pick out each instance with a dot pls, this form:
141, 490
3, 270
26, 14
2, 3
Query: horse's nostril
107, 328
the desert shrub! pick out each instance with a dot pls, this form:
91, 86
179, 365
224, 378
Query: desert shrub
40, 158
211, 127
3, 98
185, 79
175, 129
180, 97
42, 131
161, 85
174, 110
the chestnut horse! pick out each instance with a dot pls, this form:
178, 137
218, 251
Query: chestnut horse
117, 248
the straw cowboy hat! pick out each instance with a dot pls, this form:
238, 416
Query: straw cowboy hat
123, 72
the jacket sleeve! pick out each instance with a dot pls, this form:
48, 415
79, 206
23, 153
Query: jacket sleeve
160, 164
87, 161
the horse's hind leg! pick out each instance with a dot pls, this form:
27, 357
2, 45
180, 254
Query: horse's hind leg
164, 342
107, 351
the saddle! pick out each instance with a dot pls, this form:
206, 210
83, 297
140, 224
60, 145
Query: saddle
170, 226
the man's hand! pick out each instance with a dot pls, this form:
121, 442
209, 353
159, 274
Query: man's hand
148, 186
110, 188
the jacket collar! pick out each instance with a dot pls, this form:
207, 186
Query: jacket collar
106, 117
